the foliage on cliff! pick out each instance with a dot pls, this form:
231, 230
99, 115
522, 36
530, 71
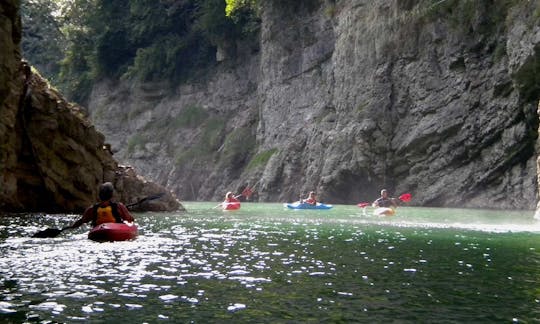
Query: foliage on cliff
39, 28
131, 39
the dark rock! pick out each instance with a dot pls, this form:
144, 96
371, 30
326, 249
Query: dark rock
51, 158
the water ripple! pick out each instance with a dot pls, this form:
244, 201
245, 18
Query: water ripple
270, 266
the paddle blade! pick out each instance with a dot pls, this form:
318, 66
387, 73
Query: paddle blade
363, 204
405, 197
247, 192
49, 232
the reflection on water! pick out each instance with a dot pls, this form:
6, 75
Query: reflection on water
267, 264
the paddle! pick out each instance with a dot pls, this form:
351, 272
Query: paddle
54, 232
153, 197
406, 197
50, 232
247, 192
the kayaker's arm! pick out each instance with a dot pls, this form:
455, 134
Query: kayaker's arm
394, 202
86, 217
124, 213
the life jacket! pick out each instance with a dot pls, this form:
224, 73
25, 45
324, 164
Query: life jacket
310, 201
384, 202
106, 213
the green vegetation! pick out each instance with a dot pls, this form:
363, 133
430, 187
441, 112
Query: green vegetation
208, 143
134, 142
184, 156
234, 7
237, 147
261, 159
212, 132
142, 40
330, 10
40, 25
499, 52
191, 116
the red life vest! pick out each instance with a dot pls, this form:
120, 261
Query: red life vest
310, 201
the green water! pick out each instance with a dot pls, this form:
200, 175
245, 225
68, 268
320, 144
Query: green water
266, 264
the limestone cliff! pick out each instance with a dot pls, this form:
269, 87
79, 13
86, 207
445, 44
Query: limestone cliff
51, 158
346, 97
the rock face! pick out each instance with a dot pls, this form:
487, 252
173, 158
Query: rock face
51, 158
347, 97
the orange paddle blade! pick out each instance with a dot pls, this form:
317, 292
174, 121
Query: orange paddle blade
247, 192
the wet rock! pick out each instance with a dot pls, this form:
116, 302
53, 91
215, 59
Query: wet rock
52, 158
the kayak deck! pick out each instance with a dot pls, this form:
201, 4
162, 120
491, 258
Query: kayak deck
231, 205
297, 205
384, 211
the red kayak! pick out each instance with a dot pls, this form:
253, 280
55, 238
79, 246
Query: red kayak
230, 205
109, 232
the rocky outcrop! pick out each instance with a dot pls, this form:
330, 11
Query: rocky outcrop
346, 97
51, 158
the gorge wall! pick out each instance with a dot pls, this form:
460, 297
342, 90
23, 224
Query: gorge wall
51, 158
347, 97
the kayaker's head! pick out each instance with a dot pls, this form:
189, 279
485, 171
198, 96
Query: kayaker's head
312, 194
384, 193
106, 191
228, 195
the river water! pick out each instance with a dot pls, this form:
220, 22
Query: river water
266, 264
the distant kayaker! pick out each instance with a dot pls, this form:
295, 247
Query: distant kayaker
230, 198
311, 199
385, 201
105, 211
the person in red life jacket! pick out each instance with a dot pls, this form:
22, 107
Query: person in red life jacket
385, 201
105, 211
230, 198
311, 199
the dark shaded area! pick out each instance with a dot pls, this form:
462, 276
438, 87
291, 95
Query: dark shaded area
351, 187
528, 77
137, 39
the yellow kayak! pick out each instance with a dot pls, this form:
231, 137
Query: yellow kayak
384, 211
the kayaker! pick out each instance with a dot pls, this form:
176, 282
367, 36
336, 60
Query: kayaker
311, 199
230, 198
385, 201
105, 211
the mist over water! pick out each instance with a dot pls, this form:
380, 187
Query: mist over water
264, 263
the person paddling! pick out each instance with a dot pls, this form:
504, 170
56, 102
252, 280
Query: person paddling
106, 211
311, 199
385, 201
230, 198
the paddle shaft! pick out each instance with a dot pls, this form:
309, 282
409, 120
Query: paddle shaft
404, 198
153, 197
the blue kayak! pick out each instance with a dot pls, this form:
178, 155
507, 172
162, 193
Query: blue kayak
298, 205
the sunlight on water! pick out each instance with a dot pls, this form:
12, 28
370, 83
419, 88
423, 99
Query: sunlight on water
264, 263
